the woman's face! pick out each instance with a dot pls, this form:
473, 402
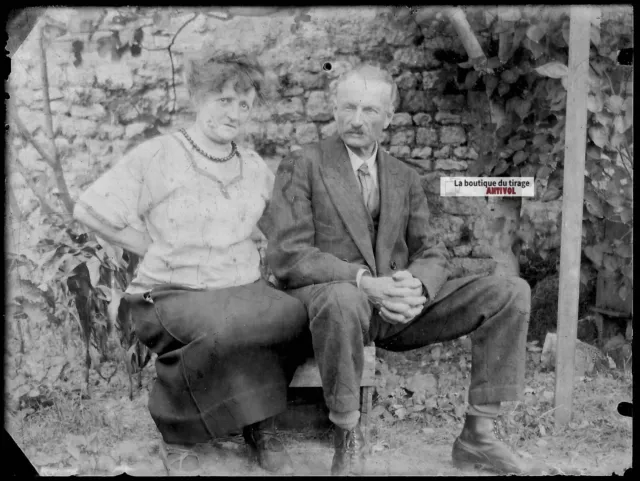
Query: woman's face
221, 115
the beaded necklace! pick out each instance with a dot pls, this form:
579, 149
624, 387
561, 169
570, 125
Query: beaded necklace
234, 149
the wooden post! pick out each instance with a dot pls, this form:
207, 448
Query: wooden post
572, 205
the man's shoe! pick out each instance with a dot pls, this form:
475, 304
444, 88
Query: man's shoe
349, 455
267, 447
478, 447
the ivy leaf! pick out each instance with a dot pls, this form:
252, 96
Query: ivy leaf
501, 168
611, 263
593, 204
539, 140
614, 104
522, 108
471, 79
494, 63
104, 293
536, 32
93, 266
516, 143
490, 83
595, 103
626, 215
509, 76
594, 254
520, 157
619, 124
615, 200
503, 131
543, 173
617, 140
503, 88
598, 135
114, 304
624, 292
535, 48
553, 70
112, 251
509, 14
604, 118
565, 82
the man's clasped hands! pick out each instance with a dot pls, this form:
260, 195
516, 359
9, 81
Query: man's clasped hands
399, 298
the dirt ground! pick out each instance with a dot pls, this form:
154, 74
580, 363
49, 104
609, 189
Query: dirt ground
64, 433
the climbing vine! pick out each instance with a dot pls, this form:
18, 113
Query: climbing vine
516, 96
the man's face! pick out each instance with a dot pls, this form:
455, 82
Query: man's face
362, 111
222, 114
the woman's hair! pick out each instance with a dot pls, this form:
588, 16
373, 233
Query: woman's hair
209, 70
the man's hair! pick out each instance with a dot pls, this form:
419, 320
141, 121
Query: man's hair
208, 70
371, 72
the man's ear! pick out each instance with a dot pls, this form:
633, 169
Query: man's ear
389, 118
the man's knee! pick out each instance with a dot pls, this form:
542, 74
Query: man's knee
513, 290
340, 303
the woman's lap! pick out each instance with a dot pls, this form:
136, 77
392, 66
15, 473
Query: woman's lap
225, 357
253, 315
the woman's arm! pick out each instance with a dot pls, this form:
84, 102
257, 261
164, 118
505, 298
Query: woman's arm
127, 238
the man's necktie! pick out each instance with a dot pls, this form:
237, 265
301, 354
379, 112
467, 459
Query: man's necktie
368, 189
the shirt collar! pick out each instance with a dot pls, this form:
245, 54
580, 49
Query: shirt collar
356, 161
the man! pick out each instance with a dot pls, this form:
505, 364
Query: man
349, 235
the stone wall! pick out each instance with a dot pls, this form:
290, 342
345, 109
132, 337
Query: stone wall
102, 108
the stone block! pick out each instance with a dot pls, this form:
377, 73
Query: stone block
443, 153
403, 137
289, 109
427, 136
447, 118
400, 151
415, 58
452, 134
421, 153
422, 166
306, 133
319, 106
414, 101
422, 119
327, 130
450, 164
401, 119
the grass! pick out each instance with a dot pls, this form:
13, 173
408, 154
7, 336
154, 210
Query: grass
68, 433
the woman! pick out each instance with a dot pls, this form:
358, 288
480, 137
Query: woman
189, 203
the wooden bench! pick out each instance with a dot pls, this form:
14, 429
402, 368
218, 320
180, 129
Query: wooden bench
307, 375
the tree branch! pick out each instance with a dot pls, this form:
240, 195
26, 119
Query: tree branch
461, 25
22, 130
46, 97
56, 164
36, 188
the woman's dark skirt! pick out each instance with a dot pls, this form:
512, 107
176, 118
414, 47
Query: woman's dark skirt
225, 357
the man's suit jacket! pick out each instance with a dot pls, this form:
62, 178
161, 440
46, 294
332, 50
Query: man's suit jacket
319, 230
